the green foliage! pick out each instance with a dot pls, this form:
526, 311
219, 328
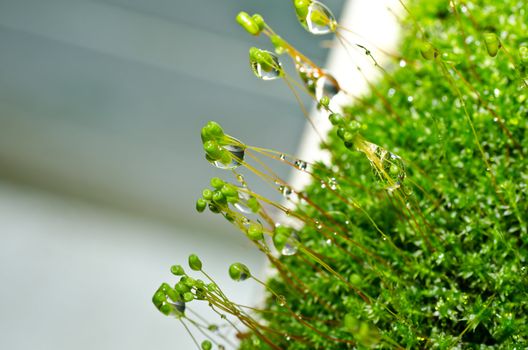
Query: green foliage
425, 249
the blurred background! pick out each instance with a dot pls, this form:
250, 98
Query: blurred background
101, 104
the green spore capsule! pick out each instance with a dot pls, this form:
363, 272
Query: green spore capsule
336, 118
181, 288
201, 205
177, 270
493, 44
324, 101
259, 20
188, 297
248, 23
231, 156
214, 208
159, 298
229, 190
254, 231
428, 51
194, 262
265, 64
206, 345
217, 182
301, 7
212, 131
212, 150
239, 272
207, 194
218, 197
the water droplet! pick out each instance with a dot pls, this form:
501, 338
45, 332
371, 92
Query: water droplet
318, 19
269, 70
242, 205
403, 63
291, 246
329, 241
179, 308
327, 86
281, 300
241, 180
287, 337
282, 156
237, 156
301, 164
388, 167
332, 183
318, 224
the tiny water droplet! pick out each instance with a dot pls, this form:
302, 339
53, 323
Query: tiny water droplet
281, 300
241, 180
403, 63
301, 164
329, 241
288, 338
332, 183
270, 70
318, 224
282, 156
318, 19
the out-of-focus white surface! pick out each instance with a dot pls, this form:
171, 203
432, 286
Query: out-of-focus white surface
73, 276
373, 25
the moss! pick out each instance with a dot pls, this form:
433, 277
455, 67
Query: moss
439, 262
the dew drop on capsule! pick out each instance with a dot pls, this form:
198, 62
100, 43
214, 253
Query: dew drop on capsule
242, 205
237, 156
327, 86
319, 19
291, 246
281, 300
269, 70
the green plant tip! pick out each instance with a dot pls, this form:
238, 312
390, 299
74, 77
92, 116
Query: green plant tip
493, 44
301, 7
207, 194
188, 297
201, 205
259, 21
177, 270
254, 231
212, 131
194, 262
229, 190
239, 272
324, 101
428, 51
217, 183
206, 345
248, 23
213, 150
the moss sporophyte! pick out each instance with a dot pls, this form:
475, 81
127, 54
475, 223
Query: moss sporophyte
414, 236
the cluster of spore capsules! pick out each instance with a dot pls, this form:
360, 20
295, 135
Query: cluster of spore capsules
386, 263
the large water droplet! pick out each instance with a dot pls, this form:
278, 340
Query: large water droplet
319, 19
388, 166
237, 156
327, 86
291, 246
268, 71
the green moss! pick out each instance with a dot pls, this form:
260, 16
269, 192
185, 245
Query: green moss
438, 262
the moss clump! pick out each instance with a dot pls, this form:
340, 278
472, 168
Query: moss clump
420, 247
469, 288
